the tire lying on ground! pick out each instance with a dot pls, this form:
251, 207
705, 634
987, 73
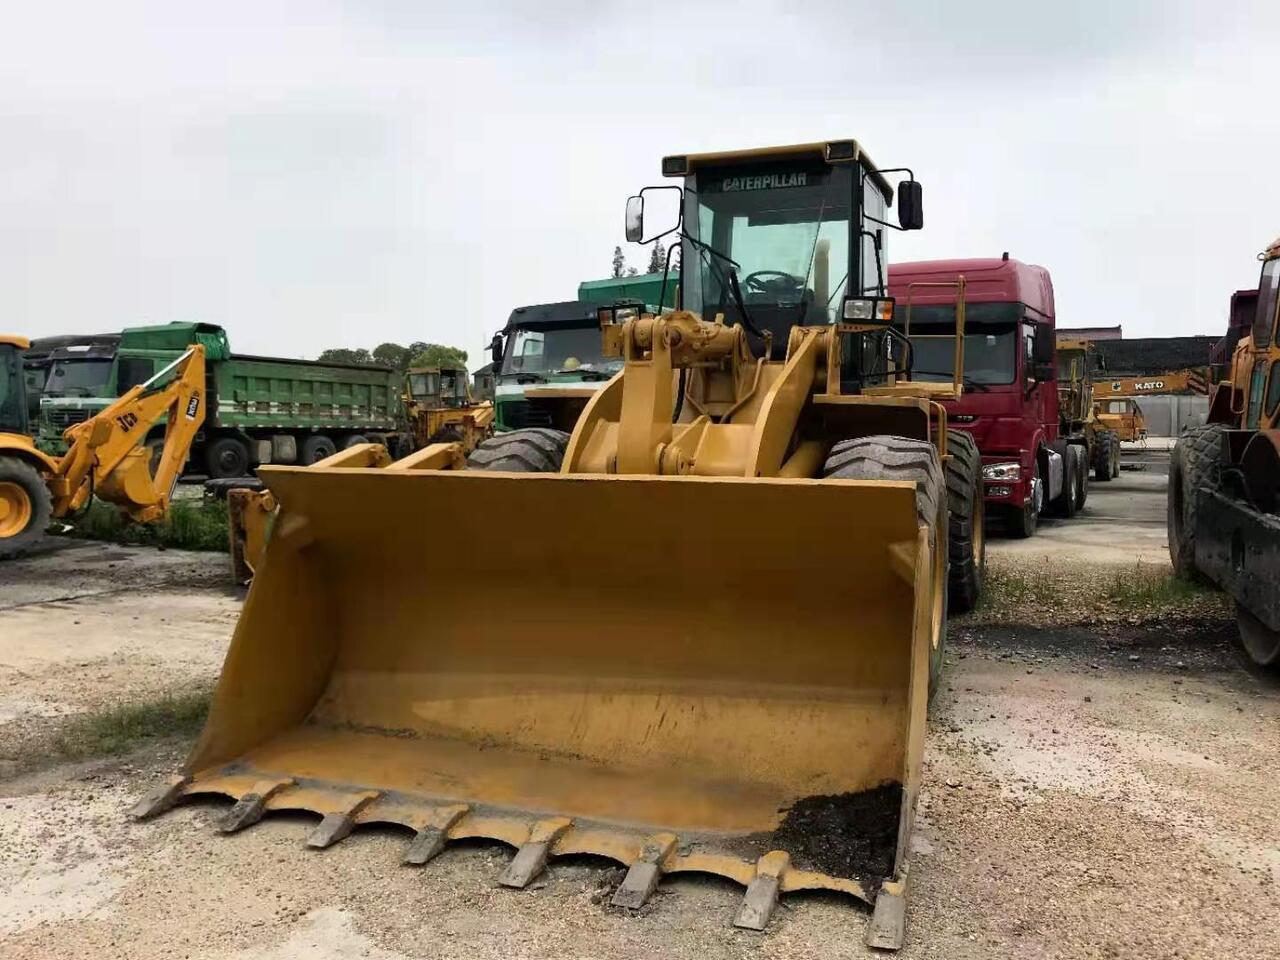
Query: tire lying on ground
532, 450
1196, 461
24, 506
897, 458
967, 541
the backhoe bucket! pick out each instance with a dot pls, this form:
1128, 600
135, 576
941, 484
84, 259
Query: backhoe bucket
680, 674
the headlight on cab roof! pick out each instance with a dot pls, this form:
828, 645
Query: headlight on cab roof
1002, 471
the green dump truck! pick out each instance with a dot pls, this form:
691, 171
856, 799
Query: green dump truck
261, 409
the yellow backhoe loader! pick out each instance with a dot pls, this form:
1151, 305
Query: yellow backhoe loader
717, 605
108, 455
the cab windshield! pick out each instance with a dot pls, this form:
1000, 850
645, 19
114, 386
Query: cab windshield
557, 349
786, 227
78, 378
990, 342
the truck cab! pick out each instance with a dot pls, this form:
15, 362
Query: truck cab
544, 344
1010, 400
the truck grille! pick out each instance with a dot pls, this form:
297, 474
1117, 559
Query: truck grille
61, 419
517, 414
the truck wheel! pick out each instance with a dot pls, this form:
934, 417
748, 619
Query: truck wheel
24, 506
531, 450
226, 457
1082, 476
897, 458
1021, 522
1196, 461
353, 440
315, 448
1066, 503
967, 539
1260, 642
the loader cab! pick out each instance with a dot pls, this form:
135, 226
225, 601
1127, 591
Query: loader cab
13, 393
779, 237
436, 387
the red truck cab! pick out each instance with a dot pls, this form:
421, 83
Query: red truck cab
1010, 401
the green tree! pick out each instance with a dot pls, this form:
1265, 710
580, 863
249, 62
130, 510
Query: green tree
619, 262
658, 258
438, 355
392, 355
343, 355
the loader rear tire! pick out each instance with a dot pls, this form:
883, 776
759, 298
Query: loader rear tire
532, 450
967, 541
24, 506
898, 458
1196, 461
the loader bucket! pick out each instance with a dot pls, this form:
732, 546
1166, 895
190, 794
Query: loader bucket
706, 674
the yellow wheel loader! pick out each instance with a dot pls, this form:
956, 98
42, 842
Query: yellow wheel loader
108, 456
714, 608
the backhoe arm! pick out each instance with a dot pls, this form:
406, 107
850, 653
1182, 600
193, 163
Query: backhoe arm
108, 457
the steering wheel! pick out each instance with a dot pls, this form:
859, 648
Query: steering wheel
773, 283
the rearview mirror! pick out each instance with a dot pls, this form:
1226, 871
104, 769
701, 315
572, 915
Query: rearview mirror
496, 348
661, 217
910, 205
1043, 349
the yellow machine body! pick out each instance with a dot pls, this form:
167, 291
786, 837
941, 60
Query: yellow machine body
693, 651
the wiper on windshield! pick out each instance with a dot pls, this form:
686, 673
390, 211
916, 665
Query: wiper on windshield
731, 281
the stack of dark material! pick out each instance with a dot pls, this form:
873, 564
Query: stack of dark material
1147, 356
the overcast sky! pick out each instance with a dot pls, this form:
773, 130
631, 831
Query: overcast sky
320, 174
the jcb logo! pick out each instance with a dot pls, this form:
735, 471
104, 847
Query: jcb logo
127, 421
193, 405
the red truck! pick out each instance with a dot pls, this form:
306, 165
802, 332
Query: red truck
1030, 463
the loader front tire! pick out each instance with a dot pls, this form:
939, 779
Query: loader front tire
1196, 461
24, 506
967, 541
898, 458
532, 450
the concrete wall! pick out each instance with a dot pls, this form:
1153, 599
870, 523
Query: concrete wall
1172, 416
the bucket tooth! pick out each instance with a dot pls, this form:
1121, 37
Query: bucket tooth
531, 858
159, 799
430, 840
762, 893
888, 925
337, 824
250, 808
642, 879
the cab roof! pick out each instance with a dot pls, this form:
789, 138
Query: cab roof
550, 314
830, 151
987, 280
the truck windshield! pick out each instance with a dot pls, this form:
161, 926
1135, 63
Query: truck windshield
990, 342
78, 378
787, 229
13, 404
551, 349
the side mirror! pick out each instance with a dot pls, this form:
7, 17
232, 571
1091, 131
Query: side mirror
1042, 352
635, 219
910, 205
496, 348
663, 216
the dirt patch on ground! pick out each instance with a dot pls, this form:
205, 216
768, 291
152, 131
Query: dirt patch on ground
846, 835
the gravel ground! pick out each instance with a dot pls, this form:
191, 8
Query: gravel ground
1097, 790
